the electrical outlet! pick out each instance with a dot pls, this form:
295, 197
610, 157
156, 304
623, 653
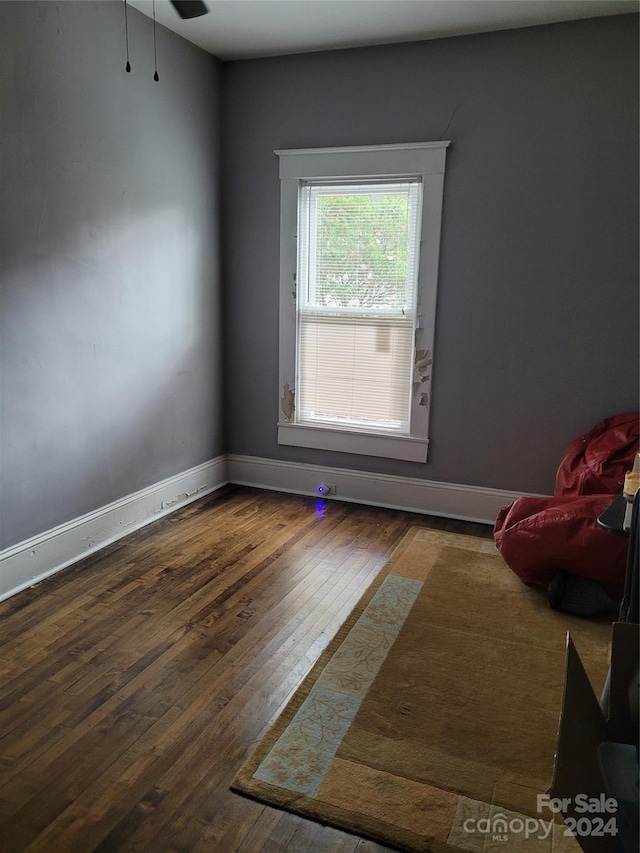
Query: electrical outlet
326, 489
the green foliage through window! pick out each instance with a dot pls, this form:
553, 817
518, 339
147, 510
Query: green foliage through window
362, 248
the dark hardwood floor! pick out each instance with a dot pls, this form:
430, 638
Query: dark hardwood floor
135, 683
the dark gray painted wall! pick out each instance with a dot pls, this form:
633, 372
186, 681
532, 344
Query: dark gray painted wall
109, 230
537, 323
110, 312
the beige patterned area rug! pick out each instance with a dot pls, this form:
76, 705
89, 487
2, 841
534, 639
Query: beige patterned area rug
430, 721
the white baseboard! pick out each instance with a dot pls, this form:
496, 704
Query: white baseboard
28, 562
468, 503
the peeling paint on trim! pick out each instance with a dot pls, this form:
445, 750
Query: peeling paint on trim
287, 402
422, 363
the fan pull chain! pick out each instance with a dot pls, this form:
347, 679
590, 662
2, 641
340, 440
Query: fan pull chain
126, 35
155, 52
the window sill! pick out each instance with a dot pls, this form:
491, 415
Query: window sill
346, 441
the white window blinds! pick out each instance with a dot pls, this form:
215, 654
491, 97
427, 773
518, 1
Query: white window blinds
358, 246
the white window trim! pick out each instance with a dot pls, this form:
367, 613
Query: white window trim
425, 160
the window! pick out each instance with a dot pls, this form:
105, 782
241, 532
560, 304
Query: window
360, 233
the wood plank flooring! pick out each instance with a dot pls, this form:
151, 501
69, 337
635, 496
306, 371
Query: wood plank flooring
134, 684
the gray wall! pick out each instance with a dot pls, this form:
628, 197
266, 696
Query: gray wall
109, 238
111, 299
537, 323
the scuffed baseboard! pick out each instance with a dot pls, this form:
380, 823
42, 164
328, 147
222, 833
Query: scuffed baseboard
28, 562
35, 559
450, 500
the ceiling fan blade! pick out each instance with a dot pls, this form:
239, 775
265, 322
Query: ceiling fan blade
189, 8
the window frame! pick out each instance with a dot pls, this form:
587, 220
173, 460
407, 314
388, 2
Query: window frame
423, 160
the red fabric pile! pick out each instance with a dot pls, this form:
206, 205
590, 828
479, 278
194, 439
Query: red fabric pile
539, 537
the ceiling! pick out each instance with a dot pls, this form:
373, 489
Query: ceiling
243, 29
